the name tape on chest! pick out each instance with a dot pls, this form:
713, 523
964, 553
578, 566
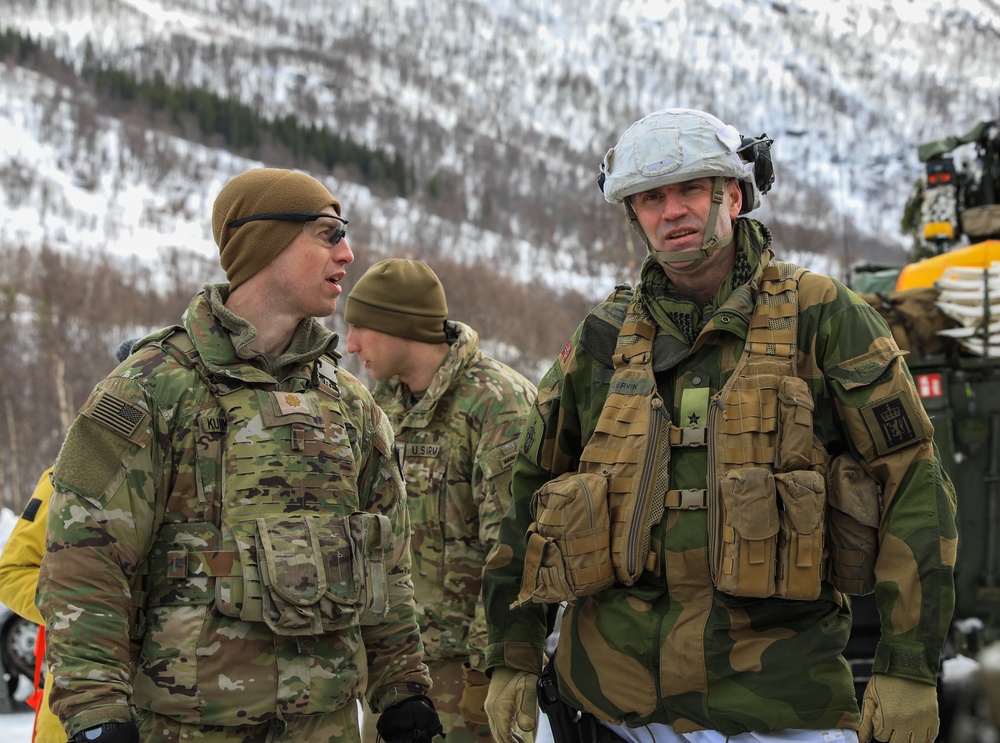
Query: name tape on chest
422, 450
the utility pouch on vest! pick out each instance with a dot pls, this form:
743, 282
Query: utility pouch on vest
852, 526
749, 538
800, 544
298, 574
592, 528
795, 425
569, 542
631, 447
767, 533
293, 574
801, 493
371, 539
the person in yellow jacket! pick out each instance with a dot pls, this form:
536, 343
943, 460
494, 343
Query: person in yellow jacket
19, 562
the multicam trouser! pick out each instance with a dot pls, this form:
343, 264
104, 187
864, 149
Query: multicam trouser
340, 726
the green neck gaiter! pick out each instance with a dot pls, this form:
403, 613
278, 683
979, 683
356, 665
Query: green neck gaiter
674, 311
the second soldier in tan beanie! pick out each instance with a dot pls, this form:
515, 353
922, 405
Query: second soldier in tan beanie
456, 414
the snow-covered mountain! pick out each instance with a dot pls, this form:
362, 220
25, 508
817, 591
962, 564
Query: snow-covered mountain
503, 109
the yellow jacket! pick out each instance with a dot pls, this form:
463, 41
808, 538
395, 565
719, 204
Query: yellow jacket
19, 565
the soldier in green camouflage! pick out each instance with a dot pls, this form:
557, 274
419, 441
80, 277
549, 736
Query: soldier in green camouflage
716, 460
227, 551
456, 414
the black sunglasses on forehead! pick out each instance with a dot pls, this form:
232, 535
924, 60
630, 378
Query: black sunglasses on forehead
295, 217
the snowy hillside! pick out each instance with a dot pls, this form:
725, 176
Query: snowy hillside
504, 109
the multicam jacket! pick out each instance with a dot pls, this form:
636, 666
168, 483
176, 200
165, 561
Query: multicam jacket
243, 519
458, 442
672, 648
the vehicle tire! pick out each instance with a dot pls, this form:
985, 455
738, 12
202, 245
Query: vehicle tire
17, 643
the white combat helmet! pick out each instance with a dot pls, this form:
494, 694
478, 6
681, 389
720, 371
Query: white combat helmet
680, 144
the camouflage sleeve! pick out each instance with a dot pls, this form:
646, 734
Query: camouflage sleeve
890, 434
22, 554
393, 648
550, 444
101, 519
491, 479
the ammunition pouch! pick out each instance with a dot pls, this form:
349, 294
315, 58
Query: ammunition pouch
852, 526
592, 528
309, 574
767, 526
569, 543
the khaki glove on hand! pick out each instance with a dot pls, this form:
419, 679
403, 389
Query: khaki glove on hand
899, 710
512, 705
472, 705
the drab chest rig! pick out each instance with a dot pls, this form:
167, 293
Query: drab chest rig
266, 520
766, 495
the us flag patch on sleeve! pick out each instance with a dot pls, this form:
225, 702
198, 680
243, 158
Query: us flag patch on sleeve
117, 414
892, 423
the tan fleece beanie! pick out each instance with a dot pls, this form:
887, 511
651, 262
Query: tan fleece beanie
400, 297
245, 250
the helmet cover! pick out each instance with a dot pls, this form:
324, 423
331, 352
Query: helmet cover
672, 146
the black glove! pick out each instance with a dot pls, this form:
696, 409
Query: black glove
412, 720
109, 732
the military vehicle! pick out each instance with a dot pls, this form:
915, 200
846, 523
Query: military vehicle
945, 310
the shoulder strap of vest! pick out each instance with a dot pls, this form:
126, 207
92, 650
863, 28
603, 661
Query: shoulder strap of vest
774, 326
180, 346
602, 324
635, 336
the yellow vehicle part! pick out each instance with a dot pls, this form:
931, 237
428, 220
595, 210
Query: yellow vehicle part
926, 272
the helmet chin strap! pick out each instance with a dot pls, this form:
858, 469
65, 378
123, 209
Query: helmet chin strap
712, 243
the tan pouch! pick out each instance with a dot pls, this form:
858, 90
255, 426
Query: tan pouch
746, 558
855, 507
795, 425
800, 544
569, 543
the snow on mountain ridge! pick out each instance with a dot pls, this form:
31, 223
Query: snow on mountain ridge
512, 105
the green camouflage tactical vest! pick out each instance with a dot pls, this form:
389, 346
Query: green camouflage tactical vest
767, 517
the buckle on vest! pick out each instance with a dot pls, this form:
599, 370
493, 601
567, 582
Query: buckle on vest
689, 436
687, 500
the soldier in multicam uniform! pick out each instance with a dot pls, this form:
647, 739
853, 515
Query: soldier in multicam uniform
714, 463
456, 414
228, 543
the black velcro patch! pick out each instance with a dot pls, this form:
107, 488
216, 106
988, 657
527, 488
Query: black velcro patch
891, 422
117, 414
31, 510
